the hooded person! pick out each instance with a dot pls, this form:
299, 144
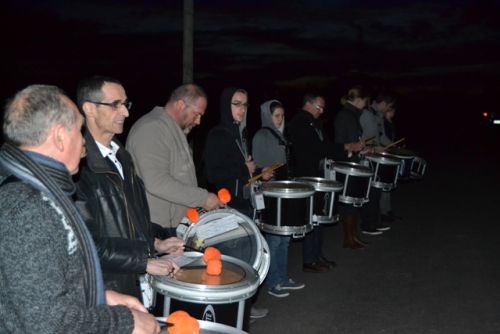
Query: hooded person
270, 146
227, 160
228, 163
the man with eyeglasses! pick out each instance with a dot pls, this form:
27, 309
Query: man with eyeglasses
159, 147
112, 196
309, 146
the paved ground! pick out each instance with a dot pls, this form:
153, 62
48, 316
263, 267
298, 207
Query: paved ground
436, 271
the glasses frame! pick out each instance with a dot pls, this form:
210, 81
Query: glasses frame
115, 105
239, 104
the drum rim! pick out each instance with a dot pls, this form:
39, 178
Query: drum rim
402, 157
383, 159
321, 184
288, 192
215, 326
261, 263
358, 169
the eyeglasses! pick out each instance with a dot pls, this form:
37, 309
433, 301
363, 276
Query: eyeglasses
318, 107
115, 104
238, 104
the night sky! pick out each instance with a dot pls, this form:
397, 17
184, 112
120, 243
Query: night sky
442, 58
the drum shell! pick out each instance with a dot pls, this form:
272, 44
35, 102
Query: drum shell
386, 170
324, 199
406, 157
288, 208
356, 179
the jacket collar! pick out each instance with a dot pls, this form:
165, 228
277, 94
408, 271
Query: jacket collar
97, 163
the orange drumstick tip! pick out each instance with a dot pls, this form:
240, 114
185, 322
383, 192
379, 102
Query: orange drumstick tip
192, 215
224, 195
211, 253
182, 323
214, 267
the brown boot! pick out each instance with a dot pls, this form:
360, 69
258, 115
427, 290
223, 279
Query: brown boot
350, 239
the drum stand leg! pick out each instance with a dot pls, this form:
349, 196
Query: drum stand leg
241, 313
166, 306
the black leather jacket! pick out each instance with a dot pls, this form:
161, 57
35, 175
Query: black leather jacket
117, 215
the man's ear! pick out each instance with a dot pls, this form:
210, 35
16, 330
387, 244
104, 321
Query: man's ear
58, 135
89, 109
180, 105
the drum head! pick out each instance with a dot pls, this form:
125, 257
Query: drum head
287, 189
352, 168
237, 281
401, 152
322, 184
384, 159
233, 234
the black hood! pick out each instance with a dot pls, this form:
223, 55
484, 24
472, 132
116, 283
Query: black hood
226, 116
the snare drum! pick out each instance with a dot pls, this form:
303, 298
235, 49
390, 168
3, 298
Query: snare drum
231, 232
385, 170
222, 299
406, 157
356, 179
418, 166
324, 198
288, 208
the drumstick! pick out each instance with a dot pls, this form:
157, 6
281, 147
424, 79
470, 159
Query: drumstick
163, 320
201, 249
368, 140
270, 169
393, 144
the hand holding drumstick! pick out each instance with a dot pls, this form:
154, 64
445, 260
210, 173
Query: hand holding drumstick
267, 172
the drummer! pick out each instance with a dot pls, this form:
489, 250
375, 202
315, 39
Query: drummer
270, 146
310, 146
372, 122
348, 145
372, 119
158, 144
228, 163
112, 195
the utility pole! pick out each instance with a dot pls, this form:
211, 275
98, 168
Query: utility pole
187, 53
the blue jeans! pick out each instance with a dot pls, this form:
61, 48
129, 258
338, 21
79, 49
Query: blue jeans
278, 269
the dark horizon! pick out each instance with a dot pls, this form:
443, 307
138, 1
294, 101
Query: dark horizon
441, 59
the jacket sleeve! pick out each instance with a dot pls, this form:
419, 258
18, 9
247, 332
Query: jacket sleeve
39, 297
116, 254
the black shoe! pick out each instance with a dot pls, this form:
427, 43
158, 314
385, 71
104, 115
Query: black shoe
383, 227
329, 263
315, 267
371, 232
